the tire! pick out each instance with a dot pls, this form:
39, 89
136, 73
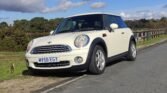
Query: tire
98, 61
132, 52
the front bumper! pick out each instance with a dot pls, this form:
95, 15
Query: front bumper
66, 60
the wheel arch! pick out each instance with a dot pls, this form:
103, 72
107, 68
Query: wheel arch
101, 42
132, 38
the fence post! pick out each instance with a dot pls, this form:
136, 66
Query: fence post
147, 35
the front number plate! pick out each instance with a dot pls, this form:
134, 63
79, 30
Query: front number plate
48, 60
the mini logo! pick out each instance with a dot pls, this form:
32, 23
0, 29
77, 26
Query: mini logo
49, 42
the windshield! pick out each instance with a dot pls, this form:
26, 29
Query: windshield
81, 23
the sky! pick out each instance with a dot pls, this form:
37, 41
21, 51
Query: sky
11, 10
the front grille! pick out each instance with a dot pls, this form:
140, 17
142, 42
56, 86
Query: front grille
59, 64
51, 49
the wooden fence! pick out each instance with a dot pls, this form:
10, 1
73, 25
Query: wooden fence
143, 35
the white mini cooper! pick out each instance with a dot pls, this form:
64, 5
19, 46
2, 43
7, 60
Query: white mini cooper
83, 42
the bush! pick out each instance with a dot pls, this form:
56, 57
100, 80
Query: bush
8, 44
13, 40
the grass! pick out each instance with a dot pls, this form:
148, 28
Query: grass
151, 41
9, 58
17, 58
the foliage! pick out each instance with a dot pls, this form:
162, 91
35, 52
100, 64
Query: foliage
13, 40
16, 37
3, 25
150, 24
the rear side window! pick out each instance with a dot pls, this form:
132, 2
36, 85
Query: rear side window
109, 19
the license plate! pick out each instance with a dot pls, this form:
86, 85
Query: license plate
48, 60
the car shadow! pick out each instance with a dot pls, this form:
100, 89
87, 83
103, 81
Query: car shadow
53, 73
114, 62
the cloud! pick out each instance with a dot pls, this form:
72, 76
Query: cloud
125, 15
136, 15
143, 14
22, 5
98, 5
65, 5
38, 5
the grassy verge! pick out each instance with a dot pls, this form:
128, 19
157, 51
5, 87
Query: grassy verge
17, 58
151, 41
6, 60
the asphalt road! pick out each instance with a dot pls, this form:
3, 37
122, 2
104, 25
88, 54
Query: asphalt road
148, 74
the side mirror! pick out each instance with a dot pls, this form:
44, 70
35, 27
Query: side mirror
51, 32
114, 26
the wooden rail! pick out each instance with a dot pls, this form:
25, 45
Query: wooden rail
143, 35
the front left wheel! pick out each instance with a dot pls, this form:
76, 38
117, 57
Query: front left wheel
98, 60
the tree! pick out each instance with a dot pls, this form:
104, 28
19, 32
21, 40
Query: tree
3, 25
163, 19
39, 24
22, 25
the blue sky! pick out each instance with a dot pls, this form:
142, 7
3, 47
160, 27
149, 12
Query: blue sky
11, 10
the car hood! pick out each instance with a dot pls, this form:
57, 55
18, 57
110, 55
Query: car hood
59, 39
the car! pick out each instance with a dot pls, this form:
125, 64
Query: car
82, 42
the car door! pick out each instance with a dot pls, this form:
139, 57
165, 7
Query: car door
116, 39
121, 33
124, 33
114, 42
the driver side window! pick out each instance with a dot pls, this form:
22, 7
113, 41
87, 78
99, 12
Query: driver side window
109, 19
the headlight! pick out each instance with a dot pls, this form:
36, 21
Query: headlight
81, 41
29, 45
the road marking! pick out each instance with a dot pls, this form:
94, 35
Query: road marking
63, 84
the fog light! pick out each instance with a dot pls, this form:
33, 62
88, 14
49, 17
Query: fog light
78, 59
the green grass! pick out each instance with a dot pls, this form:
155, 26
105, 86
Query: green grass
9, 58
151, 41
17, 58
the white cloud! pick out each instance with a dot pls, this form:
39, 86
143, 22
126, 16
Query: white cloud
64, 5
125, 15
98, 5
163, 13
22, 5
38, 5
135, 15
143, 14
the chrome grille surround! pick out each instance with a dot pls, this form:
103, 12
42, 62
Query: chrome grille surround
51, 49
